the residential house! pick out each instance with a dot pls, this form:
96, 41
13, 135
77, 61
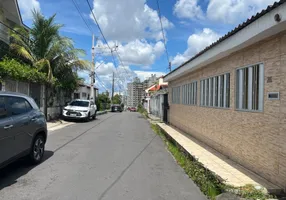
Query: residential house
9, 18
154, 97
83, 92
232, 95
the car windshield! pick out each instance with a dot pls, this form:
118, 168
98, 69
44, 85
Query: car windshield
79, 103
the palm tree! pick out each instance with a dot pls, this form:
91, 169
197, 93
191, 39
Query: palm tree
45, 49
49, 52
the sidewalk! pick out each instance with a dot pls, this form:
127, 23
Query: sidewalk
232, 173
58, 124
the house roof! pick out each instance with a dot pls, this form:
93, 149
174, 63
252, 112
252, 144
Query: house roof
12, 11
232, 32
88, 86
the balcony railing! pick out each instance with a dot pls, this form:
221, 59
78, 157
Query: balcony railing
4, 34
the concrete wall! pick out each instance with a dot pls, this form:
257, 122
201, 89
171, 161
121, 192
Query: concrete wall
257, 140
156, 108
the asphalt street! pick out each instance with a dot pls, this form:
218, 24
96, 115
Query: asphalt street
116, 157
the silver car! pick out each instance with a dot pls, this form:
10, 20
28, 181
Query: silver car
23, 129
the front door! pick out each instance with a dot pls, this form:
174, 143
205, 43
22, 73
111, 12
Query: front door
165, 108
6, 136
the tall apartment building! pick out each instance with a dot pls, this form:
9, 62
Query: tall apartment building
135, 93
150, 81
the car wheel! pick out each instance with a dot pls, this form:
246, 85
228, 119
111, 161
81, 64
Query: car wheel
94, 116
38, 149
87, 118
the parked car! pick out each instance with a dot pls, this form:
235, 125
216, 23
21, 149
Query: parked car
80, 109
133, 109
116, 108
23, 129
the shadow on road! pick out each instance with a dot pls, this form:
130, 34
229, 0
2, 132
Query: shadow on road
81, 120
13, 171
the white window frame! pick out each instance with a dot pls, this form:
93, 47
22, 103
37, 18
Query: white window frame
176, 95
214, 91
240, 79
189, 93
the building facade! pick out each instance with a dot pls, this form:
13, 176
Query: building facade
9, 18
83, 92
232, 95
135, 94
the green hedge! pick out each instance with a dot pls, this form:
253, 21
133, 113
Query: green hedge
10, 68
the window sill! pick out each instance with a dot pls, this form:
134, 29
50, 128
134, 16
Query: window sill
189, 104
223, 108
252, 111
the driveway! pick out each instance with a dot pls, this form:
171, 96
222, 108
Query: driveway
116, 157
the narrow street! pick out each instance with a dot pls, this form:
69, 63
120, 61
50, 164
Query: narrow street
116, 157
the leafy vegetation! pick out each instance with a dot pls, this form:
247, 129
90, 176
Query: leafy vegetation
12, 69
207, 181
46, 51
142, 110
116, 99
103, 102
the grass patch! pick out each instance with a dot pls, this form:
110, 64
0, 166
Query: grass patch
143, 111
207, 181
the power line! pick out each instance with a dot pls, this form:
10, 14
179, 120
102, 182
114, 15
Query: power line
99, 28
78, 9
163, 34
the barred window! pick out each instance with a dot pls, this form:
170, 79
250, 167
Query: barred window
249, 88
176, 92
215, 91
189, 93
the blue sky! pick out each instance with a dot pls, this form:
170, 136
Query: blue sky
134, 26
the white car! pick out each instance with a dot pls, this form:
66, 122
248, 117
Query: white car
80, 109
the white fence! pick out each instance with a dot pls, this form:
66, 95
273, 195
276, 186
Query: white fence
156, 108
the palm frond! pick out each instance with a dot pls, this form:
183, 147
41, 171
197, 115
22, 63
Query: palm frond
22, 51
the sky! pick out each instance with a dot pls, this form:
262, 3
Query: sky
133, 29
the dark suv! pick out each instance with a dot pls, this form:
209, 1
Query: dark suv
116, 108
23, 129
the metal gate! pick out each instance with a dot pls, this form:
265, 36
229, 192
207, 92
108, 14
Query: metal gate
165, 108
35, 93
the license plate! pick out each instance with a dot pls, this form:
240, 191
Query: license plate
115, 109
73, 115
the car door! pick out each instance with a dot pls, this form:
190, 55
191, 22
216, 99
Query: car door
92, 108
6, 136
20, 115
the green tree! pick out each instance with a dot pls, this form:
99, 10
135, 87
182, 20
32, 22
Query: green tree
117, 99
46, 50
103, 101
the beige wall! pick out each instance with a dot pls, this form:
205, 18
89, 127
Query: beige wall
256, 140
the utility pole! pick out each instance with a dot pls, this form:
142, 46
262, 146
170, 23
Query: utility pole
170, 66
112, 91
92, 73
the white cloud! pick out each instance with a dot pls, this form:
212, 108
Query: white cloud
196, 43
127, 20
137, 52
142, 75
226, 11
229, 11
188, 9
27, 6
140, 52
103, 69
